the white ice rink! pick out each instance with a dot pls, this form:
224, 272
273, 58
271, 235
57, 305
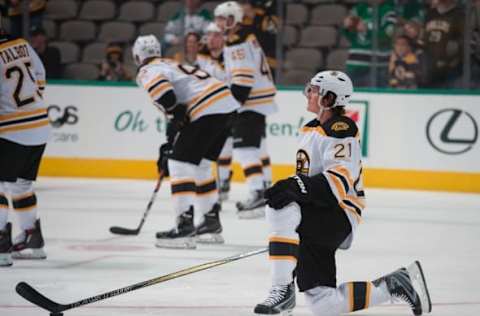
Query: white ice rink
441, 230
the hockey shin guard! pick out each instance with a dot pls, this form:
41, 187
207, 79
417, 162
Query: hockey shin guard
283, 242
249, 158
182, 181
207, 193
24, 202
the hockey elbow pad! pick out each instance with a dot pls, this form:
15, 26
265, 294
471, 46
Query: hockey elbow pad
240, 93
167, 101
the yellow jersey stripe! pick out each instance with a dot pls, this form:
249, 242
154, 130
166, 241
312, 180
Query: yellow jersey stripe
248, 71
161, 89
12, 43
210, 102
16, 128
22, 114
259, 102
317, 129
263, 91
208, 91
152, 82
285, 240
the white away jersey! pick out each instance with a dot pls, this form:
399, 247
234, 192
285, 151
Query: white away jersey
23, 114
214, 66
192, 86
333, 149
246, 65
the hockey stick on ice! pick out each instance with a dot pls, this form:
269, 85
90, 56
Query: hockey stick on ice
56, 309
127, 231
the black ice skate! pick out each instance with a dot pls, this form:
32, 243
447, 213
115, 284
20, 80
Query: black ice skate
210, 230
6, 246
253, 207
224, 188
29, 244
180, 237
409, 286
280, 300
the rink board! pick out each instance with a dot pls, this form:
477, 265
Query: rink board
409, 140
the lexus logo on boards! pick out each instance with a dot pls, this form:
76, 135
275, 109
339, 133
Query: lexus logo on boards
452, 131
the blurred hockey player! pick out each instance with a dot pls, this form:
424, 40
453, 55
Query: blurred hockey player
252, 85
24, 131
211, 60
200, 109
317, 211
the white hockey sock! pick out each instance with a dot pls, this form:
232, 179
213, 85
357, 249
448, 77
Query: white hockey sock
24, 202
283, 242
348, 297
182, 182
207, 193
249, 159
265, 158
25, 207
225, 160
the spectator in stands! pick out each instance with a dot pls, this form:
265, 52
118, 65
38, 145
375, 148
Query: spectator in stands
14, 10
403, 68
358, 29
261, 17
444, 33
190, 51
189, 19
50, 55
475, 16
112, 68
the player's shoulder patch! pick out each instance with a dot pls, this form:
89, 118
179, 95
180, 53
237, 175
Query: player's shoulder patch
241, 36
340, 127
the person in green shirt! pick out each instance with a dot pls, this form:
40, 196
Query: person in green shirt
358, 30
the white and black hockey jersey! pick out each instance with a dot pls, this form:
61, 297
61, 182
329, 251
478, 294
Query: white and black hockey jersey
214, 66
333, 149
246, 65
23, 114
202, 93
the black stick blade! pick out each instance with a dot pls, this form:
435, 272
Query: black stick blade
123, 231
35, 297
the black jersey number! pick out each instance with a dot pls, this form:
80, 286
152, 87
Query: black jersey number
17, 72
265, 69
343, 151
194, 71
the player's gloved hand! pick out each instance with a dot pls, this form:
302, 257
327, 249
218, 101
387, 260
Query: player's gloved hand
179, 117
165, 152
286, 191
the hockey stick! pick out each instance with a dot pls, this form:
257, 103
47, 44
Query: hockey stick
127, 231
56, 309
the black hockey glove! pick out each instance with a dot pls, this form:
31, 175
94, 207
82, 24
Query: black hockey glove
165, 152
284, 192
178, 120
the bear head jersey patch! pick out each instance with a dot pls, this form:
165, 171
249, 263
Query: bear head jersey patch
303, 162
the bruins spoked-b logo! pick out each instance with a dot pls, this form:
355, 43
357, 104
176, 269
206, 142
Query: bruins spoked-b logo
452, 131
303, 162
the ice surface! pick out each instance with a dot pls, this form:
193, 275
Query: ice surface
441, 230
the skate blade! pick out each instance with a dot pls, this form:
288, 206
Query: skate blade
29, 254
177, 243
288, 312
420, 285
252, 214
210, 239
6, 260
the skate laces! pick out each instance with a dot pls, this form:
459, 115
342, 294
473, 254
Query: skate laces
20, 237
276, 295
